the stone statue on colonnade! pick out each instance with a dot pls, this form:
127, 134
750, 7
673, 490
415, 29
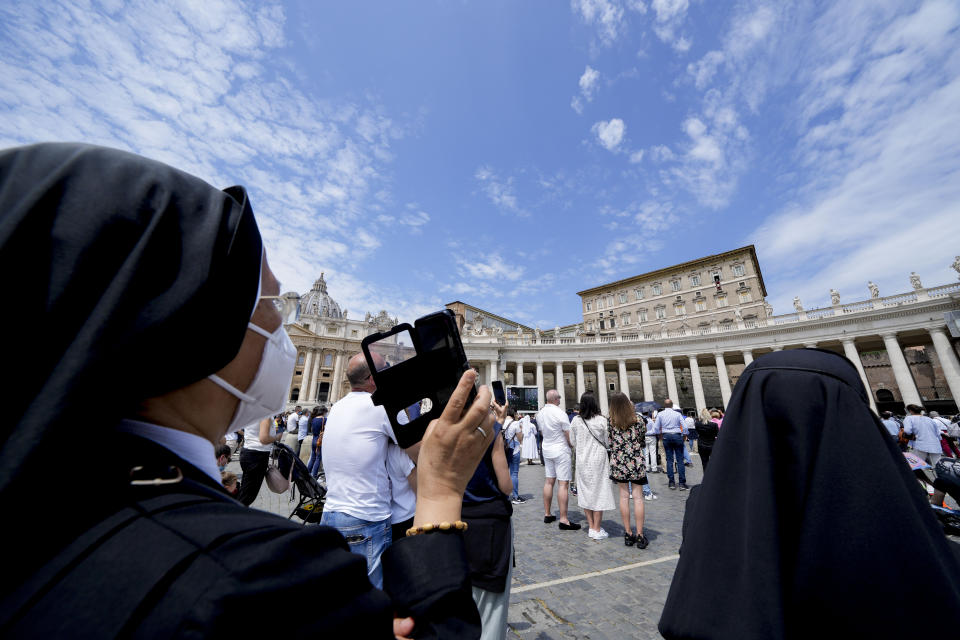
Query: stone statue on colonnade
874, 290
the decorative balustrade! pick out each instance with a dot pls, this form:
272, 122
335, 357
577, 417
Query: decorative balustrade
943, 290
862, 306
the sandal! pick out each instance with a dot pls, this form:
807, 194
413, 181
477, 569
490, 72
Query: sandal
629, 539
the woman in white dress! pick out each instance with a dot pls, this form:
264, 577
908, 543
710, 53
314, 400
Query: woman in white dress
595, 494
528, 449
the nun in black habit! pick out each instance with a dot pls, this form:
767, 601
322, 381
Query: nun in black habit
810, 523
140, 330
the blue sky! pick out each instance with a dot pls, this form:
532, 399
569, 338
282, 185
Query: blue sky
509, 154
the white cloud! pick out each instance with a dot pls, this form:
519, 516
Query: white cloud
588, 82
880, 145
197, 85
588, 89
670, 15
610, 133
499, 191
703, 70
606, 15
636, 157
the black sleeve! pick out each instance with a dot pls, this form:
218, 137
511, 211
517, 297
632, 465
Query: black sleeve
427, 577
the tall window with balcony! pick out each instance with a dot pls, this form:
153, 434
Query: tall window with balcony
679, 308
625, 319
623, 298
675, 285
657, 289
721, 300
661, 312
700, 304
639, 293
738, 270
642, 315
610, 301
695, 280
744, 297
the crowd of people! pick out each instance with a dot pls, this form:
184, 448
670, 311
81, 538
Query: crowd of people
807, 501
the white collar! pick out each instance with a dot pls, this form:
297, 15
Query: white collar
194, 449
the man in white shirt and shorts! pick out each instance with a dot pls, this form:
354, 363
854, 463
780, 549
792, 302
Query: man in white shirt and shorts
555, 426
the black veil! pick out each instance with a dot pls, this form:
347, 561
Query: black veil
125, 279
809, 523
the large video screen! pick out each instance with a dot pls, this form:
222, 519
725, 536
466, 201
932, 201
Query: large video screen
523, 398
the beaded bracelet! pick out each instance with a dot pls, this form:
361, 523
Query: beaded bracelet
459, 525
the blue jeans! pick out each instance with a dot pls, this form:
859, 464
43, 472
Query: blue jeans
673, 447
514, 462
686, 454
367, 539
314, 465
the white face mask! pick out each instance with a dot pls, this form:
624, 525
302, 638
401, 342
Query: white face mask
267, 394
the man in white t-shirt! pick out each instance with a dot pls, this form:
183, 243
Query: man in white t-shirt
355, 460
555, 426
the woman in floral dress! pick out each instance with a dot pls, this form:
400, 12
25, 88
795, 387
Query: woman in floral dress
626, 440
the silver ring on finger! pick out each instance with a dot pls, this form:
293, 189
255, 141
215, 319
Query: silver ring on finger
482, 432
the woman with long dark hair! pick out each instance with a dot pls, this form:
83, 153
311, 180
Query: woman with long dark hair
626, 438
594, 494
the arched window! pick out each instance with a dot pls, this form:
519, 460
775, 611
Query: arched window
300, 357
295, 394
884, 395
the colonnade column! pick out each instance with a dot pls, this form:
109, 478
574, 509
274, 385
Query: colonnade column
901, 371
602, 391
540, 397
305, 379
337, 378
698, 397
558, 384
948, 361
580, 386
622, 370
747, 356
315, 377
724, 380
850, 350
519, 380
671, 380
647, 383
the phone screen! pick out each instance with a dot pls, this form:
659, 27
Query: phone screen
498, 393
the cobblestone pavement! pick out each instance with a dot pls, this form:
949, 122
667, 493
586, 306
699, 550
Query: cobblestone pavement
566, 585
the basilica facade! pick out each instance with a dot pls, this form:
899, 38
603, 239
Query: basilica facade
326, 338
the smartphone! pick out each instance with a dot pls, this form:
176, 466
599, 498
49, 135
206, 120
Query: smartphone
498, 394
416, 369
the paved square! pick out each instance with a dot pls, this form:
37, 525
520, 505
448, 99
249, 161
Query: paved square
566, 585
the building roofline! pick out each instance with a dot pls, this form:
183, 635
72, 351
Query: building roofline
680, 267
488, 313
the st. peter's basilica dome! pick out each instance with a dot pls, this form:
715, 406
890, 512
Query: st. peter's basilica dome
317, 302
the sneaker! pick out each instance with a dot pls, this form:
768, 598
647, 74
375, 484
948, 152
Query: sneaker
518, 501
573, 526
688, 464
631, 495
601, 534
683, 486
573, 490
642, 541
671, 485
650, 496
591, 534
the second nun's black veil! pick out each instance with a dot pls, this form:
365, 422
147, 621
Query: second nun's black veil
810, 522
125, 279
